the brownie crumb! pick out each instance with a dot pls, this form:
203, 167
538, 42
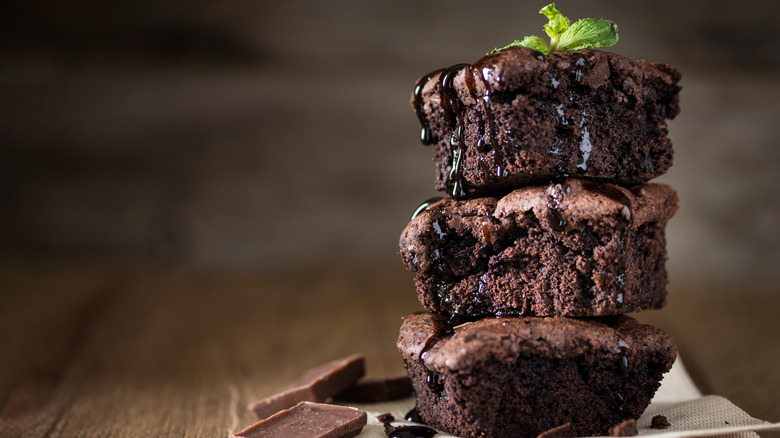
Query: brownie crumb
562, 431
377, 389
626, 428
385, 418
660, 422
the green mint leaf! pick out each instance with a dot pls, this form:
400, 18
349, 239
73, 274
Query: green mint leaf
558, 23
532, 42
588, 33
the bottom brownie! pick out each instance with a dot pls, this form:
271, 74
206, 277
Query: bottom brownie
518, 377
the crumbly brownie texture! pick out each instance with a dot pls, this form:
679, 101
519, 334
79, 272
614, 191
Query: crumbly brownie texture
574, 248
516, 117
500, 377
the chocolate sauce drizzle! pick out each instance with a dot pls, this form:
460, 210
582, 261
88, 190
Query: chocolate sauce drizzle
425, 205
441, 329
623, 347
434, 381
426, 137
406, 431
623, 357
413, 415
554, 213
411, 432
489, 125
453, 106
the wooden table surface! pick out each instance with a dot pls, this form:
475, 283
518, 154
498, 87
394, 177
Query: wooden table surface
126, 352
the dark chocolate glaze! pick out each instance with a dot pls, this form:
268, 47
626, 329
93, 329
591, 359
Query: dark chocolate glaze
412, 432
456, 111
425, 134
425, 205
554, 213
434, 381
489, 125
413, 415
442, 328
406, 431
453, 106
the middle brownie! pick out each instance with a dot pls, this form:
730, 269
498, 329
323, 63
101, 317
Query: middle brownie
573, 248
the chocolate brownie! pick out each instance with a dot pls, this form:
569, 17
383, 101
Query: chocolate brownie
573, 248
521, 376
516, 117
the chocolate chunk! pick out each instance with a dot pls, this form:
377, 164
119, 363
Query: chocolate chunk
660, 422
387, 417
315, 385
562, 431
309, 420
372, 390
626, 428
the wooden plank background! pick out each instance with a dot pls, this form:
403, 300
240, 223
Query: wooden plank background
143, 352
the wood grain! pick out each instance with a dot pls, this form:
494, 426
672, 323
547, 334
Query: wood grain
183, 353
147, 352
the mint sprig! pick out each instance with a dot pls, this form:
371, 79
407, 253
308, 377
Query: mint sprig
587, 33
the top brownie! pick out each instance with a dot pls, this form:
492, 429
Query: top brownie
517, 117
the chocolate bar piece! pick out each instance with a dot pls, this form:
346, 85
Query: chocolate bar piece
562, 431
316, 385
626, 428
377, 389
309, 420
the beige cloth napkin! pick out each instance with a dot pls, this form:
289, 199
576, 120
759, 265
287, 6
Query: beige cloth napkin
690, 413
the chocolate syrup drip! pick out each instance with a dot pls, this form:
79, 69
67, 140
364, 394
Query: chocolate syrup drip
623, 357
441, 329
507, 313
425, 205
489, 125
453, 106
455, 177
412, 432
406, 431
455, 110
413, 415
434, 381
623, 347
554, 214
426, 137
450, 101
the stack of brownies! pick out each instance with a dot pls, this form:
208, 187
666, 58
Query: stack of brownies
549, 235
